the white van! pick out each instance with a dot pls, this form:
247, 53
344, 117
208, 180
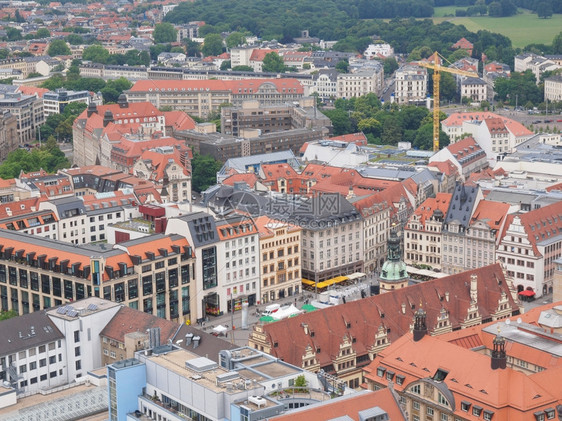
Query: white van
270, 309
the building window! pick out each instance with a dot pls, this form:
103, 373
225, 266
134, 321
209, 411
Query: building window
488, 415
476, 411
416, 405
465, 406
76, 336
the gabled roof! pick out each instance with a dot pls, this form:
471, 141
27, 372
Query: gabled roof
179, 120
429, 206
364, 317
27, 331
509, 393
492, 213
249, 178
540, 224
128, 320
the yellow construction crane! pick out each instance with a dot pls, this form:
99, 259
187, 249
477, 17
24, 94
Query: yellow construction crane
437, 69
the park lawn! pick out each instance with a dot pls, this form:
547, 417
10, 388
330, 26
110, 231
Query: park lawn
522, 29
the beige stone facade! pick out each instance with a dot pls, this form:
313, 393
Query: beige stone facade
280, 259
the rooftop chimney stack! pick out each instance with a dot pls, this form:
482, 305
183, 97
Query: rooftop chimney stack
420, 327
499, 357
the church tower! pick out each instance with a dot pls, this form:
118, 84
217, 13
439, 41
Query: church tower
393, 273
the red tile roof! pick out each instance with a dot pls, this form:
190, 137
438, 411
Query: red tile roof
258, 54
425, 210
539, 224
249, 178
493, 213
32, 90
357, 138
361, 319
348, 407
128, 320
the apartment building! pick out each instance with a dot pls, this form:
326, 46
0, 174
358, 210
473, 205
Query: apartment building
37, 273
410, 85
8, 133
457, 220
227, 256
530, 244
422, 233
325, 84
241, 121
332, 235
203, 97
362, 82
99, 127
553, 88
28, 110
279, 245
223, 147
163, 166
474, 88
55, 102
376, 229
465, 154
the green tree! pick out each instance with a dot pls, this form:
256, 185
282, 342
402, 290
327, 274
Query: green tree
495, 9
164, 32
243, 68
18, 17
370, 126
95, 54
342, 66
424, 138
49, 157
300, 381
114, 88
4, 53
391, 130
5, 315
192, 48
58, 48
447, 86
272, 62
557, 44
33, 74
42, 33
544, 10
235, 39
75, 39
340, 121
13, 34
389, 65
204, 172
212, 45
225, 65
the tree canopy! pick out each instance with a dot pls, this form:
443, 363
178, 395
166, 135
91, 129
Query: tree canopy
58, 48
204, 174
49, 157
95, 54
164, 32
212, 45
272, 62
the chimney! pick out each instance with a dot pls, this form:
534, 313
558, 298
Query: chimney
107, 118
499, 357
403, 308
188, 339
473, 288
196, 341
92, 109
447, 296
122, 101
420, 328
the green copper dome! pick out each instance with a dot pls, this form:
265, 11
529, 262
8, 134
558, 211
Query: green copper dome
394, 269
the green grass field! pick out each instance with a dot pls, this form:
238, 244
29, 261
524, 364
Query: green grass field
522, 29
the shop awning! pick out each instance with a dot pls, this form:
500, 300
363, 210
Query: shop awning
527, 293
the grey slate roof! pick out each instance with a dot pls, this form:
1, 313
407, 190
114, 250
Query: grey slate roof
202, 227
27, 331
462, 204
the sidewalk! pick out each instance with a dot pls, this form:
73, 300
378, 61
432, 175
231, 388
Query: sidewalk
240, 336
